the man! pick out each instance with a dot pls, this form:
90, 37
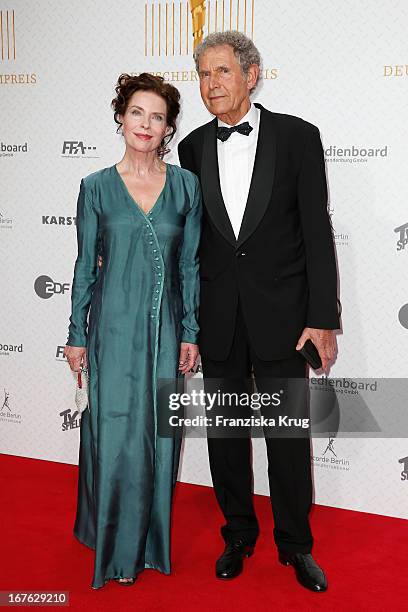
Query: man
268, 283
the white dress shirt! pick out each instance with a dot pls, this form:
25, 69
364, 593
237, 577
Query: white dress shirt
235, 164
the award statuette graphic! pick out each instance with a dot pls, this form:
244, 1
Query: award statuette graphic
329, 446
6, 401
197, 8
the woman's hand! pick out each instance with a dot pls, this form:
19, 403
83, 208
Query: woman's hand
188, 356
76, 356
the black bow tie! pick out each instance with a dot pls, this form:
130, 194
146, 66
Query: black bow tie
223, 133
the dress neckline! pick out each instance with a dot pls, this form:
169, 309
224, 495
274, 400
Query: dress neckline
131, 198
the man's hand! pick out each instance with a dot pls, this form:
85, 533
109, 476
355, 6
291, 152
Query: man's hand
76, 356
100, 261
323, 339
188, 356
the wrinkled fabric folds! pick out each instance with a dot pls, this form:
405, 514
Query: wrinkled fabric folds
142, 303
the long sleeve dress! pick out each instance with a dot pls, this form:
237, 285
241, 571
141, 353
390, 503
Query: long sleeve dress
142, 303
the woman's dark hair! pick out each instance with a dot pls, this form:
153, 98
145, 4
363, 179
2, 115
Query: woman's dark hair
126, 87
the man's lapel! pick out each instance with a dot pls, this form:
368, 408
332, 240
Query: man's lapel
210, 182
262, 177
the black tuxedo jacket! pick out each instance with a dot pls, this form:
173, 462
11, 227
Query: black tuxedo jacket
282, 266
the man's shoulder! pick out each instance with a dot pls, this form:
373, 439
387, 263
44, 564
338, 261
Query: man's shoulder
196, 135
291, 123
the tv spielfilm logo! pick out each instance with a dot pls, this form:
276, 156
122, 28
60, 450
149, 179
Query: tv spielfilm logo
404, 473
402, 232
70, 419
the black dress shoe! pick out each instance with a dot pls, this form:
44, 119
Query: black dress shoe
230, 564
308, 573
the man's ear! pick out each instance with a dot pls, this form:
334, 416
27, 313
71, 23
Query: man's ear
252, 76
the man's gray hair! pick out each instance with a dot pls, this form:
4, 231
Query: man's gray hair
243, 47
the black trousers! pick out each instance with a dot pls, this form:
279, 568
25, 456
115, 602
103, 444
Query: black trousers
289, 468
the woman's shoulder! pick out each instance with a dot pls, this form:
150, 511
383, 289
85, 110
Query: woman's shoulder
99, 177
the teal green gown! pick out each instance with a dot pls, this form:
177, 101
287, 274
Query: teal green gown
131, 314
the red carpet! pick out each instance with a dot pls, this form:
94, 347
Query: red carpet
364, 555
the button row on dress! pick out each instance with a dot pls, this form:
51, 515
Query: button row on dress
153, 316
158, 268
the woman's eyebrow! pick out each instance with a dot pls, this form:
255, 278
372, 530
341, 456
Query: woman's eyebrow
141, 108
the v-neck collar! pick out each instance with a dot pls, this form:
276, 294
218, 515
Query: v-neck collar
131, 198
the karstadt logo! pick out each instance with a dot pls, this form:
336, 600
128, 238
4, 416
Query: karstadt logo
77, 148
404, 473
61, 221
45, 287
402, 232
354, 153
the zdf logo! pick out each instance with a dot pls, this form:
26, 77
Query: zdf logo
45, 287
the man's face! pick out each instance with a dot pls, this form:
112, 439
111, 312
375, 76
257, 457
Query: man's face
223, 87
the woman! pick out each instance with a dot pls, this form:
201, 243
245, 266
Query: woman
142, 216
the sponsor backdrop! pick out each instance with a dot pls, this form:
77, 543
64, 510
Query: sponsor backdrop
342, 66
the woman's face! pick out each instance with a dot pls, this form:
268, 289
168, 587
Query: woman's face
144, 123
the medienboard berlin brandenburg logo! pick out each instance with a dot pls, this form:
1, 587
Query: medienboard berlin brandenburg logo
176, 28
